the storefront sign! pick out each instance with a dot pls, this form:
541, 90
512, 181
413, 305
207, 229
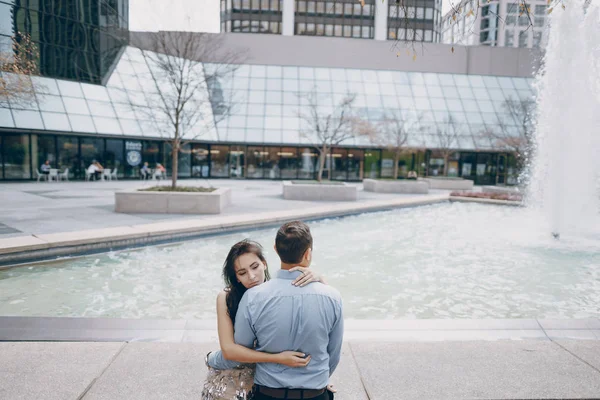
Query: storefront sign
133, 153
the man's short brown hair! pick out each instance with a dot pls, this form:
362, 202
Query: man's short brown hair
292, 241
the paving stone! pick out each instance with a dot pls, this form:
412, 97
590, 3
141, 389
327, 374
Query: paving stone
148, 371
51, 371
459, 370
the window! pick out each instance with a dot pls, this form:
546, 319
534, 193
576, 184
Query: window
537, 38
523, 38
509, 38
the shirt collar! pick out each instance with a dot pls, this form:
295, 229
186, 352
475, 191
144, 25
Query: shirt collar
283, 274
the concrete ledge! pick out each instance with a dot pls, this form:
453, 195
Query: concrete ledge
485, 201
136, 201
449, 183
500, 189
31, 248
396, 186
423, 330
319, 191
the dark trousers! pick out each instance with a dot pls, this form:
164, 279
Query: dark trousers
261, 396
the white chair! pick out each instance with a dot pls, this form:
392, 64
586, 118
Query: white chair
40, 176
53, 175
88, 175
114, 175
157, 175
144, 175
64, 175
106, 174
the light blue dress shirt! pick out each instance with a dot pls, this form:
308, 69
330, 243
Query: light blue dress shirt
280, 317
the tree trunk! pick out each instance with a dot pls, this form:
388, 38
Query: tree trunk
174, 162
446, 157
322, 157
396, 161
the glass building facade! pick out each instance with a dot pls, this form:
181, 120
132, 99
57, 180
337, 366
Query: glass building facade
71, 123
256, 16
342, 18
77, 39
414, 20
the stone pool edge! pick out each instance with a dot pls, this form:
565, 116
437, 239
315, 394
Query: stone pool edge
31, 248
74, 329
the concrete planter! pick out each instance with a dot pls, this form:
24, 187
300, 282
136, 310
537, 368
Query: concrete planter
448, 183
500, 189
407, 186
319, 192
135, 201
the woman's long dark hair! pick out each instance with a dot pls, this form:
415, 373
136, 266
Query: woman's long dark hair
235, 290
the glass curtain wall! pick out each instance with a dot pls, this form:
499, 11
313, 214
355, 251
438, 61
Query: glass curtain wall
288, 162
255, 156
17, 162
219, 161
92, 149
43, 148
68, 155
272, 163
308, 164
372, 163
200, 161
114, 156
356, 164
338, 160
237, 155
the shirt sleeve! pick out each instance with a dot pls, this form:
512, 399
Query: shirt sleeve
336, 336
217, 361
244, 331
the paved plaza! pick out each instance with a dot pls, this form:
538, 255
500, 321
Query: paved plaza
51, 207
97, 358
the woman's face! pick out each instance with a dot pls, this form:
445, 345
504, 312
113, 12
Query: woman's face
250, 270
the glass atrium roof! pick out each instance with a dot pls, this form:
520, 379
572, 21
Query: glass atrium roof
267, 101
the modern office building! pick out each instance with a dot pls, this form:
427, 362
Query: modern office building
497, 23
70, 123
413, 20
77, 39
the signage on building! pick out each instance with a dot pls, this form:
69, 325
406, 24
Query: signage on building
133, 152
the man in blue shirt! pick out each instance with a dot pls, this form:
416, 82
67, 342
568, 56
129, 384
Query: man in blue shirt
280, 316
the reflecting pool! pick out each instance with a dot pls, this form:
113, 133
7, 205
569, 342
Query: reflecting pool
442, 261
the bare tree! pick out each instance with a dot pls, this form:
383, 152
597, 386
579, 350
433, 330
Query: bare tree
186, 99
518, 139
447, 139
394, 131
18, 62
328, 126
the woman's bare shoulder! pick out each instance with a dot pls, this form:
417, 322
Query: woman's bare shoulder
222, 296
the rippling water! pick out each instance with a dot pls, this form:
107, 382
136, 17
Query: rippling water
443, 261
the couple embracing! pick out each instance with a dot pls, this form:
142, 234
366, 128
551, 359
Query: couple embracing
280, 338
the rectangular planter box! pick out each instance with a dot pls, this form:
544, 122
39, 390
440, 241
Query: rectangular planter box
500, 189
135, 201
319, 192
407, 186
449, 183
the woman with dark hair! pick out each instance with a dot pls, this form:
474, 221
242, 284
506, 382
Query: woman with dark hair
244, 268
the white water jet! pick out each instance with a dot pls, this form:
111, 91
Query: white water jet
564, 180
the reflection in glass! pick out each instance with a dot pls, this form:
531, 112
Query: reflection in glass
16, 157
372, 162
355, 164
114, 157
68, 150
272, 163
288, 162
43, 148
219, 166
236, 161
200, 158
308, 167
337, 164
255, 156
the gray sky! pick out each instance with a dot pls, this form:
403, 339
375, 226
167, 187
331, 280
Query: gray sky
185, 15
